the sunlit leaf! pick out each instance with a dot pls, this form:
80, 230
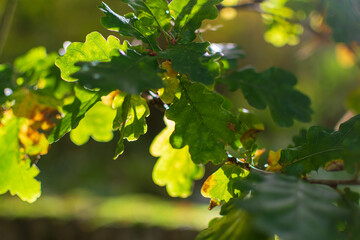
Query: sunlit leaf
130, 72
201, 121
130, 119
74, 112
97, 124
157, 9
219, 186
95, 48
130, 25
174, 168
16, 173
189, 14
167, 94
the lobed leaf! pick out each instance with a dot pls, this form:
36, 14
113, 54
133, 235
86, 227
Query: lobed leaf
189, 59
322, 146
156, 9
75, 111
189, 14
97, 123
201, 122
95, 48
130, 72
233, 226
131, 113
273, 88
17, 175
174, 168
219, 186
130, 25
293, 209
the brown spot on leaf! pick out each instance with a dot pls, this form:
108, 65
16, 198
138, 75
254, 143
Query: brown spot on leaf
213, 204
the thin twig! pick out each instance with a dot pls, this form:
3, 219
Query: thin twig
5, 22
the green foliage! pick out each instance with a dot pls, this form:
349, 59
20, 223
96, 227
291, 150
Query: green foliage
97, 124
207, 133
189, 59
272, 88
110, 84
95, 48
293, 209
75, 111
189, 14
174, 168
131, 111
16, 173
130, 72
220, 185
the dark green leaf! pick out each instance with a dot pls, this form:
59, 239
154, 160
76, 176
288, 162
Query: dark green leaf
189, 59
189, 14
130, 25
235, 225
320, 147
157, 9
130, 72
74, 113
229, 52
294, 209
274, 88
344, 19
351, 153
201, 121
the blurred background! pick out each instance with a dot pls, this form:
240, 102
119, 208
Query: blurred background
87, 195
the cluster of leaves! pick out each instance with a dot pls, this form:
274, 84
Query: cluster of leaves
102, 87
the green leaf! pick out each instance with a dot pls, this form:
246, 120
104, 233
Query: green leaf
220, 185
74, 113
351, 153
229, 52
294, 209
174, 168
189, 14
97, 123
233, 226
16, 173
189, 59
343, 17
130, 72
130, 118
273, 88
130, 25
95, 48
35, 65
156, 9
320, 148
201, 121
